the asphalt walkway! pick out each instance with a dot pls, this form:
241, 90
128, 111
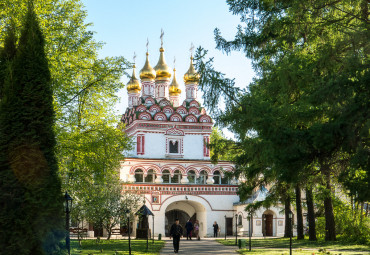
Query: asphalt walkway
194, 247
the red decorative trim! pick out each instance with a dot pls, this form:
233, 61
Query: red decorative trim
173, 167
182, 110
205, 147
140, 146
205, 119
149, 100
145, 168
191, 118
194, 110
164, 102
194, 103
155, 108
176, 117
168, 109
145, 116
160, 116
174, 131
141, 108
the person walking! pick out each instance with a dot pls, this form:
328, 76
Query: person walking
176, 233
215, 229
189, 228
196, 230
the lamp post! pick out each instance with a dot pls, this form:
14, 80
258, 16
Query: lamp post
129, 236
236, 229
250, 233
225, 227
68, 210
153, 229
147, 231
290, 230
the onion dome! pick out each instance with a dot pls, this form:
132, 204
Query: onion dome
174, 87
147, 72
133, 85
162, 70
191, 76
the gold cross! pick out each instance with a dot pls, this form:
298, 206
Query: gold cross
134, 57
147, 44
162, 34
191, 49
174, 62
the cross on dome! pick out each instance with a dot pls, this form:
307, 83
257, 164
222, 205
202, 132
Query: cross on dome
147, 44
191, 49
162, 34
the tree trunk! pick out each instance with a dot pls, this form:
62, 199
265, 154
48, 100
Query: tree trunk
287, 220
311, 215
328, 205
300, 234
109, 230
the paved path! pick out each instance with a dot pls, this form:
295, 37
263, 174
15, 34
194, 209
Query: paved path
194, 247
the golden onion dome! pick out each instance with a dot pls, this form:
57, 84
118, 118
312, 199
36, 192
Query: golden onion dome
161, 69
147, 72
134, 84
174, 88
191, 75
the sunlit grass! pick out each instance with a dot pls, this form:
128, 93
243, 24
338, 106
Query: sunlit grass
115, 247
281, 246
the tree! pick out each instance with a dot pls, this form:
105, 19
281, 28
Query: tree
308, 105
32, 202
88, 142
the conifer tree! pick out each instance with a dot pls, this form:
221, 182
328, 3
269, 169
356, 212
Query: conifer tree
30, 194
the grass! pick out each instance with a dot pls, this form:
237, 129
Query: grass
115, 247
281, 246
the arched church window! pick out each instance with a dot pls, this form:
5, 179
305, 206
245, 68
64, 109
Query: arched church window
176, 177
202, 177
240, 220
166, 176
174, 146
150, 176
191, 176
225, 180
139, 175
217, 177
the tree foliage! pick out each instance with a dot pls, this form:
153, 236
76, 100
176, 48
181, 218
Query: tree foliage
307, 111
89, 144
31, 198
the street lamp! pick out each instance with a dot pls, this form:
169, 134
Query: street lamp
68, 206
153, 228
236, 229
250, 233
225, 227
290, 230
129, 236
147, 231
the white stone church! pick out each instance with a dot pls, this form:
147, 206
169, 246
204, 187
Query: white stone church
170, 164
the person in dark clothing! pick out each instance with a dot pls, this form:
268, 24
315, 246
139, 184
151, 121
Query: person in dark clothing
189, 228
215, 229
176, 232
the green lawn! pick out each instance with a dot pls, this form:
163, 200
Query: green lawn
281, 246
115, 247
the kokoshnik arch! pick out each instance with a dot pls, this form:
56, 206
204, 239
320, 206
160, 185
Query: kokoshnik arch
170, 164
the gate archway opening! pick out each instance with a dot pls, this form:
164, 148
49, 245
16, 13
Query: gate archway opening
185, 210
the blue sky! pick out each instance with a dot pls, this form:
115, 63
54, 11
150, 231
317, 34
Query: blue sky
125, 25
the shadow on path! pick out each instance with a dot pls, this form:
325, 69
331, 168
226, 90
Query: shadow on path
194, 247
